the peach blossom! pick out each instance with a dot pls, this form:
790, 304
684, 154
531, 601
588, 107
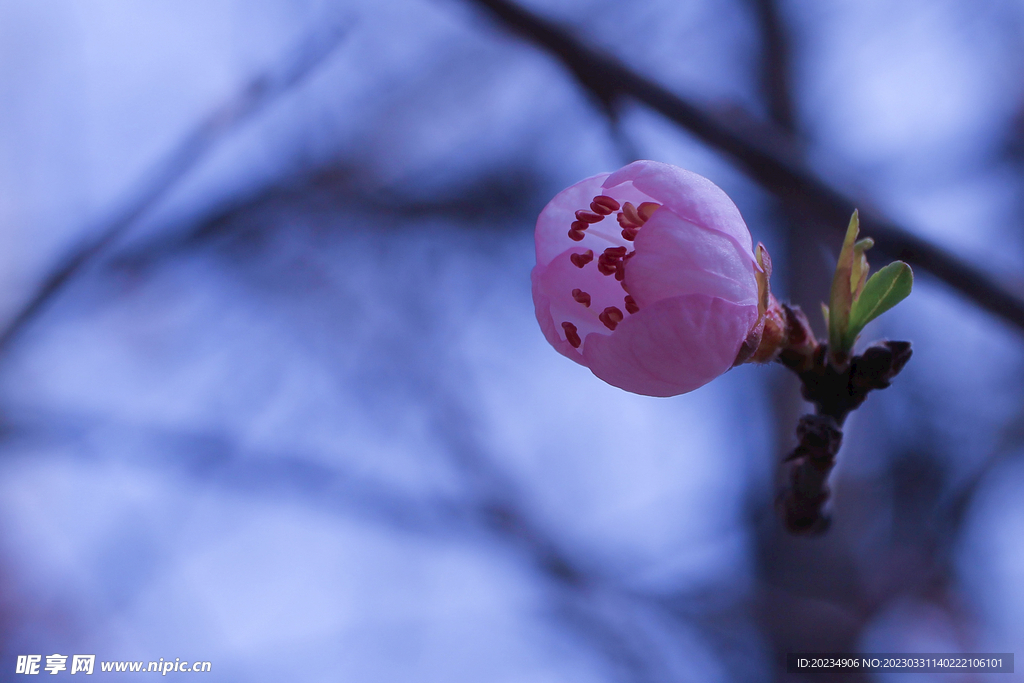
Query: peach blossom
646, 276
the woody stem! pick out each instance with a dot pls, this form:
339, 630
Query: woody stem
835, 392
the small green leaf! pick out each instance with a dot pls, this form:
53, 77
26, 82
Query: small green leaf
841, 298
883, 290
859, 275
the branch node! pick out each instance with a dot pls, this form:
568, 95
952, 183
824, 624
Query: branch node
835, 392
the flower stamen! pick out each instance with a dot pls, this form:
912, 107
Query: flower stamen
588, 216
571, 335
646, 210
611, 317
610, 261
632, 218
580, 260
624, 221
604, 205
581, 297
630, 213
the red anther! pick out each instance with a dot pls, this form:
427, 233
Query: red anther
647, 209
629, 234
576, 235
631, 306
630, 212
579, 225
597, 208
588, 216
571, 335
581, 297
628, 256
610, 317
606, 265
607, 202
616, 252
620, 271
580, 260
624, 221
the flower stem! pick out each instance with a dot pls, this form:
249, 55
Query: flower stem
835, 390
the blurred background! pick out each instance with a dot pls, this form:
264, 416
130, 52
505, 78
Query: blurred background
272, 393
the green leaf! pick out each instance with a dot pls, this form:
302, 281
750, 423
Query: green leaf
883, 290
859, 274
841, 297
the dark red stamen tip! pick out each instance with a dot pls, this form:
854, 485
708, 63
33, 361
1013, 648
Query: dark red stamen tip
581, 297
571, 335
624, 221
606, 202
588, 216
631, 306
576, 235
647, 209
610, 317
579, 225
629, 211
580, 260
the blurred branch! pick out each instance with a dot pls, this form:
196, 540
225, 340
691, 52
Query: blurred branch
257, 94
775, 71
498, 199
764, 152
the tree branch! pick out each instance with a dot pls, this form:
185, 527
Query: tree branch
835, 393
775, 71
229, 116
765, 153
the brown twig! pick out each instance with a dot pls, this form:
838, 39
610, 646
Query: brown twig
762, 151
835, 393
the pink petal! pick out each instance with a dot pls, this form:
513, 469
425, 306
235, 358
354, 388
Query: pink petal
551, 236
552, 297
671, 347
553, 222
686, 194
551, 329
675, 257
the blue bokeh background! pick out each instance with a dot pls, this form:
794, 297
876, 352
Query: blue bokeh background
298, 419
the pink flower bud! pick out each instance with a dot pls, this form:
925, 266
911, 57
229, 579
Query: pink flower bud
667, 277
